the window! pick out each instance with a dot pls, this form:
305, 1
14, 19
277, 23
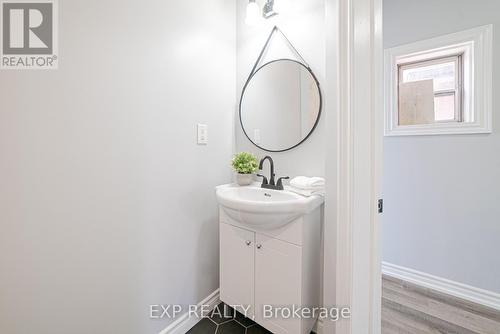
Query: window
440, 86
439, 82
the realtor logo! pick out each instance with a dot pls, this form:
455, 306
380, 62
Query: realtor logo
29, 34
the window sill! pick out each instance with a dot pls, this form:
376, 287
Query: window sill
437, 129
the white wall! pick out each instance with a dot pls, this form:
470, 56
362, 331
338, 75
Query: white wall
441, 192
106, 203
303, 22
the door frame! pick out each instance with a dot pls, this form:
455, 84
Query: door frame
354, 121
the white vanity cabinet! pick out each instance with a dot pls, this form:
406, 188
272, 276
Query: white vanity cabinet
278, 267
237, 266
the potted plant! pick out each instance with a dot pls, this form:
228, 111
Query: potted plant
245, 165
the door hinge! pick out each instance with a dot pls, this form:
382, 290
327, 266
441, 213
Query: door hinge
380, 205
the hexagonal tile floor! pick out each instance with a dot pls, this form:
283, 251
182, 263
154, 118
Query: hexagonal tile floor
227, 321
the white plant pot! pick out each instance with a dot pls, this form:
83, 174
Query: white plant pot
244, 179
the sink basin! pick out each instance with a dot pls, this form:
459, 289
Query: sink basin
264, 208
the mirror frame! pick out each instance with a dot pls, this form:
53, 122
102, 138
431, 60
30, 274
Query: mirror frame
319, 111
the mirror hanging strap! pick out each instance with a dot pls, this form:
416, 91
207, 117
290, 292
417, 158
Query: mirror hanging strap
266, 46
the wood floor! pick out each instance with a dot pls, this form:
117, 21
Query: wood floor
410, 309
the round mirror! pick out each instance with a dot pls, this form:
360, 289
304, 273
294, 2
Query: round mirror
280, 105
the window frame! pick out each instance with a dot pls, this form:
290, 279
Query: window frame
474, 47
457, 92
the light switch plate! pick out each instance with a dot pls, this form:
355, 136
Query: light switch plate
202, 134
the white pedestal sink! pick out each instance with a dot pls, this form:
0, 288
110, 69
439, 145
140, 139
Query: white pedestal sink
264, 208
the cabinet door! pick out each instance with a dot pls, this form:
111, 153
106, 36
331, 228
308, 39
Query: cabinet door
237, 267
278, 282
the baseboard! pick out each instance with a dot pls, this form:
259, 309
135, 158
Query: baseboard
467, 292
184, 323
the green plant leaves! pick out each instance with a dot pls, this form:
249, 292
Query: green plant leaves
245, 163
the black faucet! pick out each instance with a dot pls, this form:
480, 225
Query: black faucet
271, 184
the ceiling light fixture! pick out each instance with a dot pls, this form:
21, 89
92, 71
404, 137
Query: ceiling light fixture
253, 13
269, 10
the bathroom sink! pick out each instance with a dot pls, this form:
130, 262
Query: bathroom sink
264, 208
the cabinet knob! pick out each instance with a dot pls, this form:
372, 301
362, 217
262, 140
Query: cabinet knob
248, 242
259, 246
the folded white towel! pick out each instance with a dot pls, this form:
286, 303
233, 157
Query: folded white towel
306, 192
308, 183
